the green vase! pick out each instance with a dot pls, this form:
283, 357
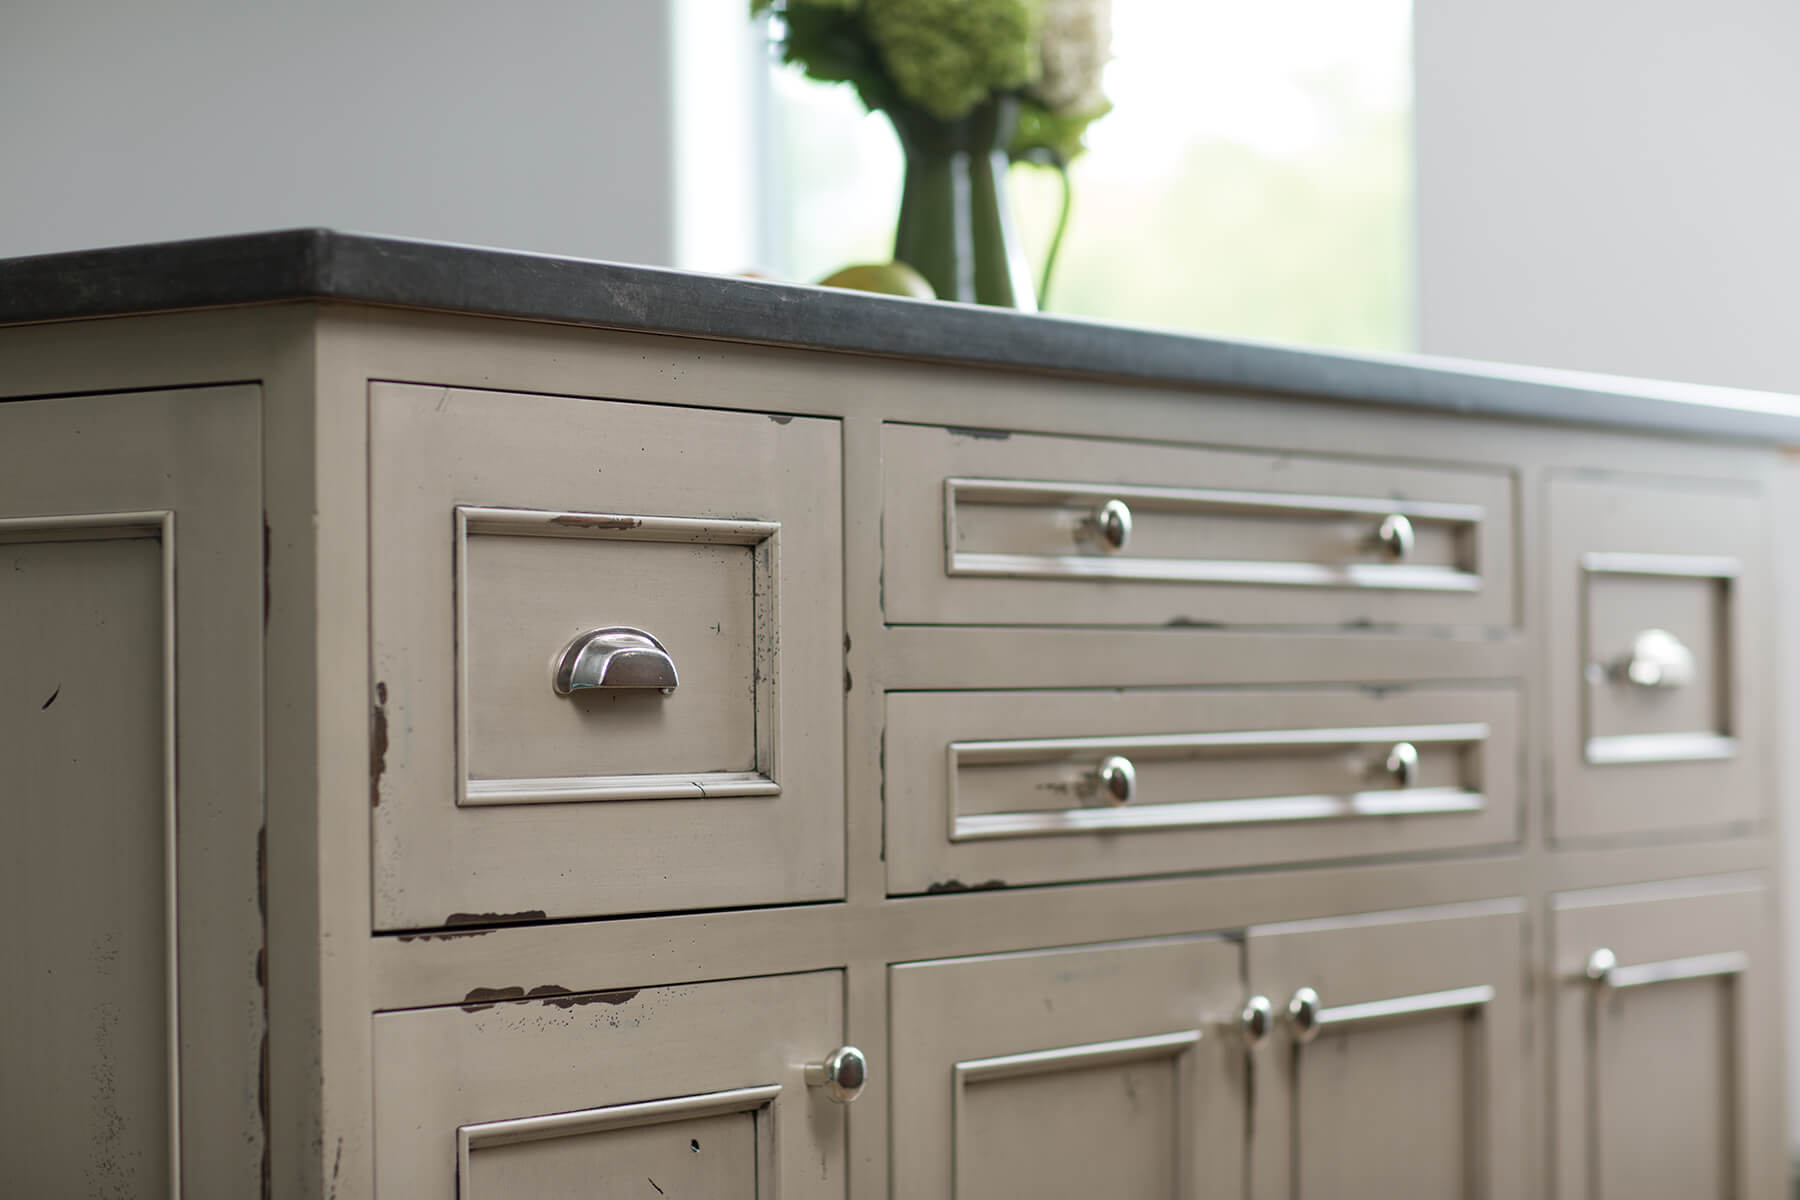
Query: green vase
956, 225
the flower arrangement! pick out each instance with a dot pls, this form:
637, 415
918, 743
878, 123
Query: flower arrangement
946, 57
970, 86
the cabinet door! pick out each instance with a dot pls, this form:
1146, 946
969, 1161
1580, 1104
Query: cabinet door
677, 1091
130, 794
1095, 1071
1667, 1041
1396, 1065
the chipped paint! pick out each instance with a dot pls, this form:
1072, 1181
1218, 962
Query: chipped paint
492, 918
957, 885
577, 521
378, 744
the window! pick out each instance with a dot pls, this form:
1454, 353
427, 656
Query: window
1255, 178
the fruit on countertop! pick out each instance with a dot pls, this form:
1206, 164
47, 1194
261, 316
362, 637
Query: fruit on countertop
894, 279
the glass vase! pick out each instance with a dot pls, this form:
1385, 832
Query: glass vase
956, 226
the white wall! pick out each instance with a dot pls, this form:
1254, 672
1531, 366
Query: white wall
1615, 185
1612, 184
533, 124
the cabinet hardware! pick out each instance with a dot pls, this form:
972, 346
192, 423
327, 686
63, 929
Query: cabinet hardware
1603, 968
1657, 660
1118, 780
615, 657
1403, 764
842, 1074
1395, 535
1257, 1019
1111, 525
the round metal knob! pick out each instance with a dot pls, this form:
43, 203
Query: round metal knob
1395, 535
1118, 780
1112, 525
1657, 660
1303, 1015
842, 1074
1600, 965
1257, 1019
1403, 764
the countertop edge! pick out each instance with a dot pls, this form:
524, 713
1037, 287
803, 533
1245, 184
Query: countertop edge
322, 264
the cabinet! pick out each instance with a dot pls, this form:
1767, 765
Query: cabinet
480, 724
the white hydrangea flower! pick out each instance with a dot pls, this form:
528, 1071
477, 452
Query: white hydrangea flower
1076, 46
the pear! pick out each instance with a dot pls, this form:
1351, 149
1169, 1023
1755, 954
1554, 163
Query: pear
894, 279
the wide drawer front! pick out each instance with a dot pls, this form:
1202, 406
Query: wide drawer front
988, 789
607, 657
1056, 530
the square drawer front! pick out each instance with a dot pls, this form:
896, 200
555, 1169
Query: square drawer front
988, 789
1039, 530
607, 657
695, 1090
1655, 608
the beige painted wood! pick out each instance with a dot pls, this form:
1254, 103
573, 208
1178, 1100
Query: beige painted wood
716, 533
1667, 1088
129, 626
986, 788
1262, 540
1626, 557
593, 1094
1105, 1070
1426, 1100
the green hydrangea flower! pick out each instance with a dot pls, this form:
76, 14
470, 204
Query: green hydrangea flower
947, 56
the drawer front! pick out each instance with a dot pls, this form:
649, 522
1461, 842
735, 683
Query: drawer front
1656, 611
1002, 788
1022, 529
607, 657
1667, 1015
682, 1091
1093, 1071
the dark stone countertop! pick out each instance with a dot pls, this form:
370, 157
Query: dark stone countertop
323, 264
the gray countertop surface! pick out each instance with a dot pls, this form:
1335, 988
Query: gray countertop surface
319, 264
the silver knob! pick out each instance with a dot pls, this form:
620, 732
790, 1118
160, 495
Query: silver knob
1403, 764
615, 657
1600, 965
1111, 523
1118, 780
1395, 535
1303, 1015
842, 1074
1256, 1020
1657, 660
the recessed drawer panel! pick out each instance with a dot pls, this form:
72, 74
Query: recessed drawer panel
997, 788
1653, 591
607, 657
1020, 529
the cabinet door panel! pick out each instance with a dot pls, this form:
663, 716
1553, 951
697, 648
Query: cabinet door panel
1666, 1042
1096, 1071
1397, 1069
692, 1090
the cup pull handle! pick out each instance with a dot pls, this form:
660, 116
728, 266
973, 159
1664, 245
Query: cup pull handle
615, 657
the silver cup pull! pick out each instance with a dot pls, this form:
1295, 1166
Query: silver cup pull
1256, 1021
1657, 659
1395, 536
1111, 525
615, 657
1303, 1015
1402, 764
842, 1074
1117, 779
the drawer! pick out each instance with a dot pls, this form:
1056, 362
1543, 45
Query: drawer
1656, 617
989, 789
1033, 530
684, 1091
607, 657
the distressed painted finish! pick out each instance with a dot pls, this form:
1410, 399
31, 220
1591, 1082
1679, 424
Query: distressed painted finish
503, 526
130, 622
341, 980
